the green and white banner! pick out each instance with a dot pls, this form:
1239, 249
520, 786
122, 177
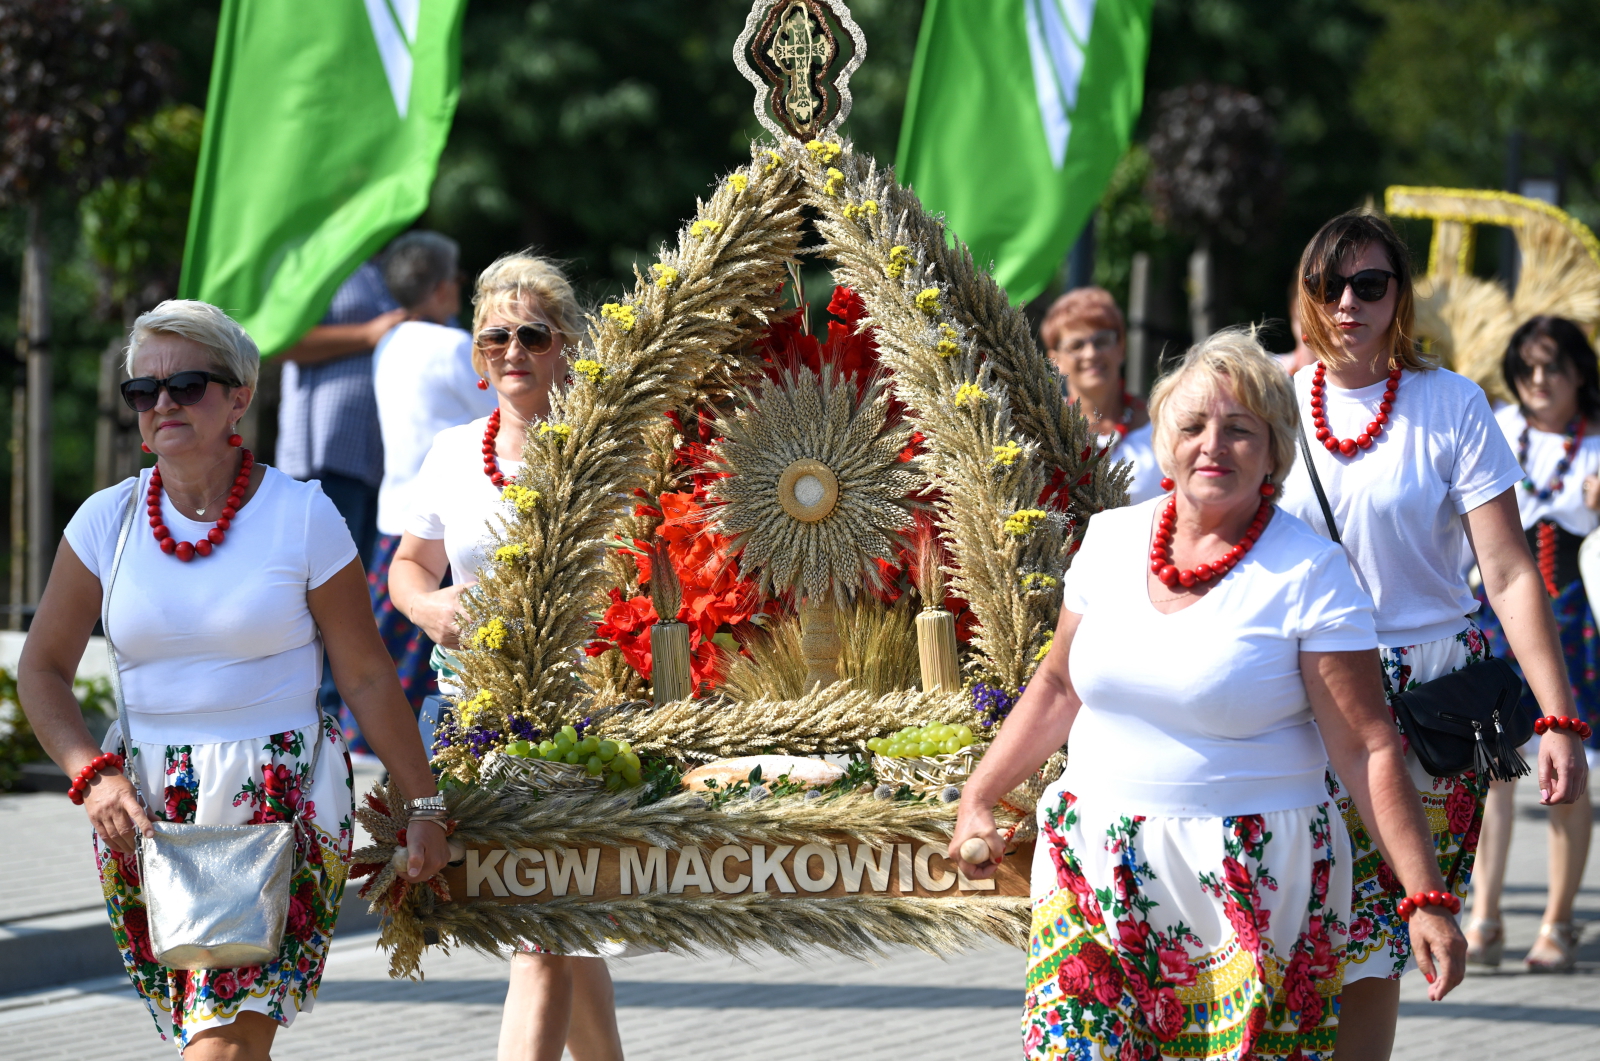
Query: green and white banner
324, 125
1017, 113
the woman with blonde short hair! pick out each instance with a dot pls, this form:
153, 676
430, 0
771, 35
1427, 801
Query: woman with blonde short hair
1191, 883
524, 315
1086, 338
1420, 483
232, 578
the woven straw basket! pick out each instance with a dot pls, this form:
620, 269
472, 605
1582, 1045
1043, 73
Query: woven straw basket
929, 774
552, 777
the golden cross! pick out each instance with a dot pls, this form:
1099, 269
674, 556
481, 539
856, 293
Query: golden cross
796, 48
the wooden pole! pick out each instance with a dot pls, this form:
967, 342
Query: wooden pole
936, 648
36, 282
819, 642
670, 677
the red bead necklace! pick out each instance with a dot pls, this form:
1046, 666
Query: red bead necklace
1547, 557
1161, 552
1319, 415
491, 464
218, 533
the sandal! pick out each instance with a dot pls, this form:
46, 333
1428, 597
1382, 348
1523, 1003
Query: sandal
1556, 949
1490, 942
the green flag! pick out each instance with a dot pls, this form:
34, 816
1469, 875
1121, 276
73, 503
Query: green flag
1017, 113
323, 130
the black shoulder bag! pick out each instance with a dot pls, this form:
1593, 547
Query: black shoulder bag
1471, 719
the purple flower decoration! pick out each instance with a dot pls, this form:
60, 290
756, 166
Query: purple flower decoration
993, 702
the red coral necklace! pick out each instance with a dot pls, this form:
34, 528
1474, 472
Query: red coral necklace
491, 463
1319, 415
218, 533
1161, 552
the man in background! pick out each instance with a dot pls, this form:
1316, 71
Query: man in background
423, 378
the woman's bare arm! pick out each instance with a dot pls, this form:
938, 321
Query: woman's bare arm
1346, 693
1516, 592
419, 565
1038, 725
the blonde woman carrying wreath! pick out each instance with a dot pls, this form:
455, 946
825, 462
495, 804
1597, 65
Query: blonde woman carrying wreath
524, 314
232, 579
1420, 481
1191, 884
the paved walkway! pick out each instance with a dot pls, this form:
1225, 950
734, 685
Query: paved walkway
717, 1009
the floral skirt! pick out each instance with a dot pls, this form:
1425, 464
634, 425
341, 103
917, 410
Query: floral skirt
408, 646
1580, 650
1380, 943
1185, 937
266, 779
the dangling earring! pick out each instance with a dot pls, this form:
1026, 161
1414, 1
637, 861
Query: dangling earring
483, 384
146, 448
235, 441
1167, 484
1267, 489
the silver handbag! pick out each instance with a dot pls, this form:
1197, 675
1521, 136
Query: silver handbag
216, 896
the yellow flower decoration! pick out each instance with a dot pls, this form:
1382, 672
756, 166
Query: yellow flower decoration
970, 394
945, 348
524, 498
835, 179
1023, 523
855, 213
491, 635
511, 554
899, 260
928, 300
1007, 454
738, 182
825, 152
1044, 649
1038, 580
468, 711
666, 276
558, 430
705, 227
774, 160
589, 369
625, 315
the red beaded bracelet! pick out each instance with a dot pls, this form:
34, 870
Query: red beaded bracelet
1576, 726
1416, 902
80, 784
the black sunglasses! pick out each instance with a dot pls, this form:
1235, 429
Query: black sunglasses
535, 338
1370, 285
187, 388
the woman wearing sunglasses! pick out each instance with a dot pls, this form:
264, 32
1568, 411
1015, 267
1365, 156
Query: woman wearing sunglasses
232, 579
524, 314
1419, 480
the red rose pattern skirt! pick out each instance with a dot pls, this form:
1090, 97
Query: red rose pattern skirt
266, 779
1380, 943
1185, 937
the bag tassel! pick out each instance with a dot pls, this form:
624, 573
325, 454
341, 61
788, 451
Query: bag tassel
1512, 765
1483, 760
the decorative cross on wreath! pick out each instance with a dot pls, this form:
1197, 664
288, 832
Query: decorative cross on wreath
788, 51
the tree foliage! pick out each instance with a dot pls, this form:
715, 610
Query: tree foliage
73, 78
1214, 162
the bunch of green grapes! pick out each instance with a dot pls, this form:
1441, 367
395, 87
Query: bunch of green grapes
616, 761
919, 741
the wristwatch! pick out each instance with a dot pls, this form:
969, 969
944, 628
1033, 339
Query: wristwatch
428, 807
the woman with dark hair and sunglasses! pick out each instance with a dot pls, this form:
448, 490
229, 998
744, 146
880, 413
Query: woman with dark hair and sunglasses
524, 315
1555, 427
232, 578
1419, 480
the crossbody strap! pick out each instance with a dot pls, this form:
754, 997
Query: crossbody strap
1316, 484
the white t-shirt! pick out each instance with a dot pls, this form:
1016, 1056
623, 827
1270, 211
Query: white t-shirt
222, 648
452, 499
1545, 451
1203, 712
1399, 504
1138, 448
423, 376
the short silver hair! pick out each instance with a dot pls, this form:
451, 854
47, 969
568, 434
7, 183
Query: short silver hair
233, 353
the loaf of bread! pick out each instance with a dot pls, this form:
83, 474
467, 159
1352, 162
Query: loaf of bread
809, 772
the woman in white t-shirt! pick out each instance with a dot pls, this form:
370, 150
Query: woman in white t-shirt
232, 579
524, 315
1213, 653
1420, 481
1555, 428
1087, 339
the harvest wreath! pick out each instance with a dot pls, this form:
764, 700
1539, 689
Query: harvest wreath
735, 538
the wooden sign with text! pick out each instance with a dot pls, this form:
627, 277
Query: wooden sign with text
815, 870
